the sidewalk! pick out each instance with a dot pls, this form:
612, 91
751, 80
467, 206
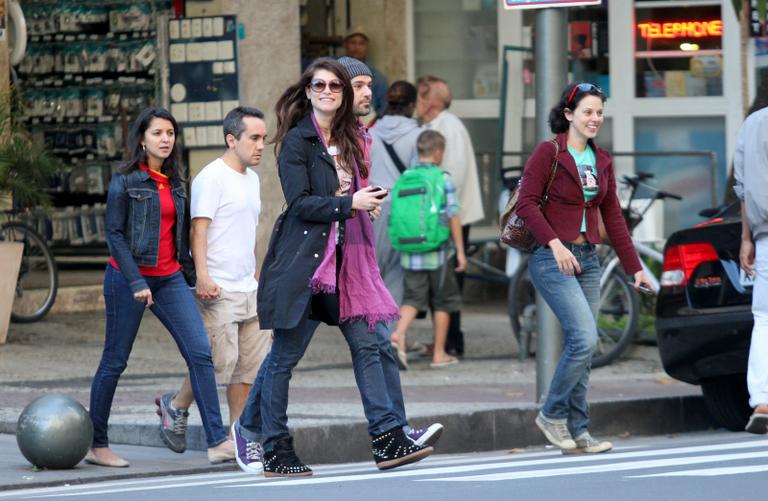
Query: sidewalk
486, 402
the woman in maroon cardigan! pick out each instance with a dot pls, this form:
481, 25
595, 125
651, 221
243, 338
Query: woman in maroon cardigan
564, 268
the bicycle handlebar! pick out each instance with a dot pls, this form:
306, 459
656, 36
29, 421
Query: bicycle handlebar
666, 194
637, 180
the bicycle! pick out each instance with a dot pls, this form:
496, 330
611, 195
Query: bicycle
619, 310
38, 279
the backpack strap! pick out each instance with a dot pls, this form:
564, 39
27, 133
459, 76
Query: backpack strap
398, 163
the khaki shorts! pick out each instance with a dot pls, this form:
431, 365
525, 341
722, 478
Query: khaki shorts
238, 345
432, 289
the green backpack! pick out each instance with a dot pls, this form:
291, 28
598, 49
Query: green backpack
414, 219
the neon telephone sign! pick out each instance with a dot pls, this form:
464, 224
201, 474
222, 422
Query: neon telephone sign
682, 29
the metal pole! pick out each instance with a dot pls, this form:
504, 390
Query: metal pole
551, 76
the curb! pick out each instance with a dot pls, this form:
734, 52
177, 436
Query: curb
486, 430
121, 476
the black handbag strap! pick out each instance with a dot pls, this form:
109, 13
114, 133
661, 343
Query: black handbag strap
398, 163
545, 196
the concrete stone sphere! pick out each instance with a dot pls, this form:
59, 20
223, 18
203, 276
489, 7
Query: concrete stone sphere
54, 432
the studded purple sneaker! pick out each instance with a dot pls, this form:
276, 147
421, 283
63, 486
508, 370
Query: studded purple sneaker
426, 436
248, 454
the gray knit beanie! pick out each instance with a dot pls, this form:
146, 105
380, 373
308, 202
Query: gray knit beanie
354, 67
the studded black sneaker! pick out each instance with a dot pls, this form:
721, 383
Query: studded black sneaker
282, 461
392, 449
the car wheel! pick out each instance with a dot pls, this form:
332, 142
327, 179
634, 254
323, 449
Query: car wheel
727, 400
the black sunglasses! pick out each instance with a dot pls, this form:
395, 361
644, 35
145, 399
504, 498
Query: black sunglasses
319, 86
583, 87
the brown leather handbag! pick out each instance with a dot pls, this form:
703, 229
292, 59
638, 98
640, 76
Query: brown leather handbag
513, 230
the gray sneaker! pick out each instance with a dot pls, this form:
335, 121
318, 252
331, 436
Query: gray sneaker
556, 432
173, 423
586, 444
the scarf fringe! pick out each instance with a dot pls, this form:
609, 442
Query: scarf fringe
320, 287
372, 319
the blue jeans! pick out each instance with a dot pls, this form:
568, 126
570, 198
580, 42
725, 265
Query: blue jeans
574, 300
175, 307
264, 418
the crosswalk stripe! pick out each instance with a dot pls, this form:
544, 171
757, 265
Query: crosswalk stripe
520, 464
709, 472
430, 467
209, 478
604, 468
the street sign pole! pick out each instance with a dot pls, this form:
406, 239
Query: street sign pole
551, 76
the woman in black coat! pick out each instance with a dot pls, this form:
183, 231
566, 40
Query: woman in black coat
321, 266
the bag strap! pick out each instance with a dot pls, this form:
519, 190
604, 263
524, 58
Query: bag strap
398, 163
545, 196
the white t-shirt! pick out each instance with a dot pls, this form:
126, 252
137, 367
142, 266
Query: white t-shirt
232, 201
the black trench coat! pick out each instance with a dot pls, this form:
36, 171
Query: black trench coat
300, 235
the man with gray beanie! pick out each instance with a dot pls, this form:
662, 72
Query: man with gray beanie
362, 82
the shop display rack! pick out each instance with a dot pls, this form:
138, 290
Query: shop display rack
91, 66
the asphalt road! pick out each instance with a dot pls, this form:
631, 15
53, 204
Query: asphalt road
696, 467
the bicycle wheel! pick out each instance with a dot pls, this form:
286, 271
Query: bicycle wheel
520, 295
38, 278
616, 319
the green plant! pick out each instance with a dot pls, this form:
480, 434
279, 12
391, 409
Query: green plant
25, 164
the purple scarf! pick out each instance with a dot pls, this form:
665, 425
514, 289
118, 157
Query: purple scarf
362, 293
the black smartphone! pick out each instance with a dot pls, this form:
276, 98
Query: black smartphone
381, 195
645, 290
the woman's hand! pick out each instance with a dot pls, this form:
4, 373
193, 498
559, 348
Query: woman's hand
566, 261
144, 296
366, 199
642, 280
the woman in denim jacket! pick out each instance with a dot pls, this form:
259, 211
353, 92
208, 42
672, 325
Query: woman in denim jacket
148, 241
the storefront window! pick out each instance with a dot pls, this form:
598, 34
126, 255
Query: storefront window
678, 51
688, 175
588, 59
457, 40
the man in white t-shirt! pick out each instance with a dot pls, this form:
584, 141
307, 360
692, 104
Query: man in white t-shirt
225, 210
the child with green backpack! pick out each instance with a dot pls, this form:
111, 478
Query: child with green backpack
424, 218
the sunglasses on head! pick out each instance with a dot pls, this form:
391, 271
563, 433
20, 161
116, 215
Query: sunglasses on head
319, 86
583, 87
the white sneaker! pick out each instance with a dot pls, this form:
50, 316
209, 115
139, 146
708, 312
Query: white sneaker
556, 432
586, 444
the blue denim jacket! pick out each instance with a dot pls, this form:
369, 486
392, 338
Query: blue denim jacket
133, 225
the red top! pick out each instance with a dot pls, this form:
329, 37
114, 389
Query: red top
166, 252
561, 216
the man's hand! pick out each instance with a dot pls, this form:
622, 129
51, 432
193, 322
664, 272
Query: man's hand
206, 289
375, 213
747, 256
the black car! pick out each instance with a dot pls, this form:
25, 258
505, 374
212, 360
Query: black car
703, 315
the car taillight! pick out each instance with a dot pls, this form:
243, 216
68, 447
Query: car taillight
711, 221
681, 260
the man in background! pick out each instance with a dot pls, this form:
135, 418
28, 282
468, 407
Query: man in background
356, 43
